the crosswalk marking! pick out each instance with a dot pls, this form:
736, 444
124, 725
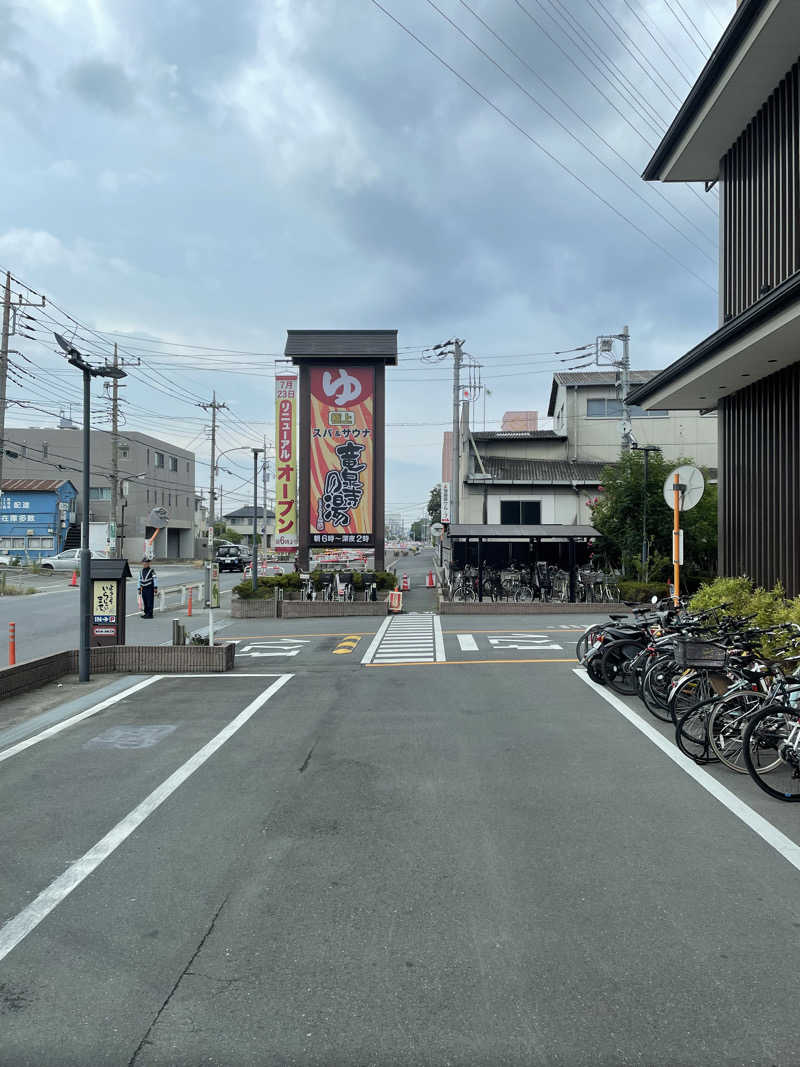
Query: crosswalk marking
408, 639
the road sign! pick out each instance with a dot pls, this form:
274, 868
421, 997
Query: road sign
437, 529
692, 484
157, 518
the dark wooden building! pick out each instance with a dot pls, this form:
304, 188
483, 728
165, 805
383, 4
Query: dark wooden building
740, 127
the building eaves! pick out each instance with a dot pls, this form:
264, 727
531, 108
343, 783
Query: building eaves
502, 469
593, 377
352, 344
513, 435
740, 25
767, 307
34, 485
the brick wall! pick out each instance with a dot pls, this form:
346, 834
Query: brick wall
37, 672
321, 609
254, 609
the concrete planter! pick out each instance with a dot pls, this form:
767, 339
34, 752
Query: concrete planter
119, 659
323, 609
254, 609
163, 659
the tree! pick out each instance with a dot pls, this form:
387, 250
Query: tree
225, 533
617, 514
435, 504
418, 529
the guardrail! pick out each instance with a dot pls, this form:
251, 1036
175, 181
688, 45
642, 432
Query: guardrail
171, 590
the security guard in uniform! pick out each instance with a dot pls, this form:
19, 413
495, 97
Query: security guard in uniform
148, 583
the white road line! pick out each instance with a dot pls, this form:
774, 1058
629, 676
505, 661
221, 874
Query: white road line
757, 823
59, 726
29, 918
467, 643
438, 639
376, 640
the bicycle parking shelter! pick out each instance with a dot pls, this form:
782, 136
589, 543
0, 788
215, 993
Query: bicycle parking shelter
498, 545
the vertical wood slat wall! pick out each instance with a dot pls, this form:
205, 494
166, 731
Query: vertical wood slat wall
759, 511
761, 173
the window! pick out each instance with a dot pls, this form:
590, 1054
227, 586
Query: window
159, 459
640, 413
187, 500
603, 408
188, 468
169, 499
147, 496
173, 463
148, 457
40, 542
100, 492
520, 512
123, 452
18, 542
44, 449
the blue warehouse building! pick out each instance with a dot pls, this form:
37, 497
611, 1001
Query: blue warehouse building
35, 516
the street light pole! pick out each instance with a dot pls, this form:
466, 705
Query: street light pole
646, 450
89, 372
255, 516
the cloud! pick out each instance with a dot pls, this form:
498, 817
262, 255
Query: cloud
103, 84
38, 250
112, 181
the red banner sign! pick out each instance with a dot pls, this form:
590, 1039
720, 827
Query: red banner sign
341, 482
286, 529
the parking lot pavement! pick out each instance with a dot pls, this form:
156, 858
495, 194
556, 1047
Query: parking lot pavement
403, 866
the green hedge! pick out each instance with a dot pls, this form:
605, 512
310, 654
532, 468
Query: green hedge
642, 592
266, 586
769, 606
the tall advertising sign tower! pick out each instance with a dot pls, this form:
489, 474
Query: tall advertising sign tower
342, 445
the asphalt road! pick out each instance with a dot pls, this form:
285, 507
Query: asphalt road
325, 860
48, 621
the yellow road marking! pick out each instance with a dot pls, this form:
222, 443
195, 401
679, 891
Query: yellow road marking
458, 662
347, 644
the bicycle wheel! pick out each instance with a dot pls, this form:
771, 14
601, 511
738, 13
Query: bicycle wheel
656, 687
614, 663
586, 639
727, 723
772, 751
523, 594
694, 688
691, 733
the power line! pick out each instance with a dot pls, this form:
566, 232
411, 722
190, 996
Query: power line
560, 124
537, 144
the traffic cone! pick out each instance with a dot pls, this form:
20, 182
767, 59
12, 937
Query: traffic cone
74, 581
429, 581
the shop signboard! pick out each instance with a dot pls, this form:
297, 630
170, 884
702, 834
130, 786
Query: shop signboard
286, 528
341, 483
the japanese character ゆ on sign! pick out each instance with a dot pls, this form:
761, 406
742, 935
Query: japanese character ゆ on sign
341, 479
286, 532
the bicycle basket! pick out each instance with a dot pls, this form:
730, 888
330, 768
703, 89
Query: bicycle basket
689, 652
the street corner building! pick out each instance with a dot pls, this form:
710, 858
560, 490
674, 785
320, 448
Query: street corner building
739, 129
37, 517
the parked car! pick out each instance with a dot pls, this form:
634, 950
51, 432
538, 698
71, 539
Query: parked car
232, 557
69, 560
9, 561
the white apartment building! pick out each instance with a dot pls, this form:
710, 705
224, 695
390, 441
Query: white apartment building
550, 476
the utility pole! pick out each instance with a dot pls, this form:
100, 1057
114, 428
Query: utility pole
456, 475
4, 369
213, 407
625, 376
115, 453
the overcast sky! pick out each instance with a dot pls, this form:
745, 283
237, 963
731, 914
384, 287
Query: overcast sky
213, 175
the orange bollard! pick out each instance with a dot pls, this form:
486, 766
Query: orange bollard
74, 581
12, 644
189, 611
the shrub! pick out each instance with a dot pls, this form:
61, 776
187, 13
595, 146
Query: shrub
768, 607
641, 592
